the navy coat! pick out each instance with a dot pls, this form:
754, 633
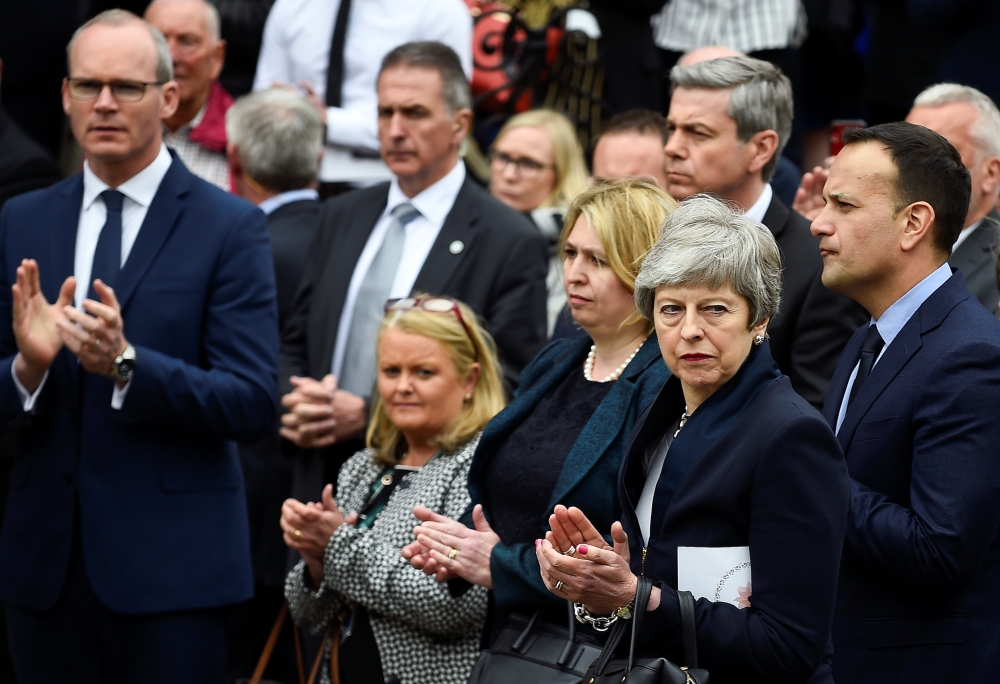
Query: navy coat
163, 515
775, 481
918, 585
589, 474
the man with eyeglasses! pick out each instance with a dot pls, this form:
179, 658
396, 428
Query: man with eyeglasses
197, 128
143, 344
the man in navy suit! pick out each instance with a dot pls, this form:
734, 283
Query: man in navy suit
126, 528
913, 401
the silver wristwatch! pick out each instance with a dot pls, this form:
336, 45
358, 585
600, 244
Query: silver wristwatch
123, 368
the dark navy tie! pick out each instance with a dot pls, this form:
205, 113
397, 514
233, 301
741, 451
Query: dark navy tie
108, 255
870, 349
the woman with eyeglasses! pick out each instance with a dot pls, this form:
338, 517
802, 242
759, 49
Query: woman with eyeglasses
438, 383
537, 167
561, 440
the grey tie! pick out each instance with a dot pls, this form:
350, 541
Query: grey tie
357, 374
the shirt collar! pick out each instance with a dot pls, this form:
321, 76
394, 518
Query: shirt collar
966, 232
759, 208
434, 202
896, 316
140, 188
272, 203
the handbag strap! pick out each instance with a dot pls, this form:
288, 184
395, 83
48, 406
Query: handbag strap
642, 591
688, 632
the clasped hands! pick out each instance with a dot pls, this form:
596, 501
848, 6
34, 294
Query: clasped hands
307, 528
320, 414
448, 549
41, 329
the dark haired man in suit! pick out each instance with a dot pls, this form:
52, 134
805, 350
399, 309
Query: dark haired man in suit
431, 229
913, 402
125, 534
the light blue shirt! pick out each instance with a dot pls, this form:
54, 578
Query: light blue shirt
272, 203
895, 317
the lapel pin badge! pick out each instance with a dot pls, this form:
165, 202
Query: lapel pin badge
456, 247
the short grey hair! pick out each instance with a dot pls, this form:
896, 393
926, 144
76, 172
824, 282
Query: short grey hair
761, 98
212, 20
431, 54
706, 241
279, 137
986, 130
120, 17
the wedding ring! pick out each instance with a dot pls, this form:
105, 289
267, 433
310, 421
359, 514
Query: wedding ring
452, 554
559, 585
297, 534
570, 551
97, 342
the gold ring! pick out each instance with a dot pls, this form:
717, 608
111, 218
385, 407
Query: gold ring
559, 585
97, 342
297, 534
452, 554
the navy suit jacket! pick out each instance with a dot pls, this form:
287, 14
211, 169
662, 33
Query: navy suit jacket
918, 584
588, 476
163, 518
776, 482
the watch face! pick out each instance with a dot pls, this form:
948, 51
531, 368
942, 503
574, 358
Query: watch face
125, 368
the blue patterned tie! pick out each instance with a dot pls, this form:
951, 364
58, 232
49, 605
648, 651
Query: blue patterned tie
108, 255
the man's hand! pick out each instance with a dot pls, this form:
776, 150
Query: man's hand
97, 337
35, 323
319, 414
809, 197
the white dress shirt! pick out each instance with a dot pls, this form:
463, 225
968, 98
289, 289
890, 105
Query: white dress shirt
280, 200
894, 318
759, 208
744, 25
139, 191
296, 48
434, 205
966, 232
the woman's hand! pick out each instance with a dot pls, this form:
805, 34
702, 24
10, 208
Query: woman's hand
308, 527
599, 578
570, 528
452, 548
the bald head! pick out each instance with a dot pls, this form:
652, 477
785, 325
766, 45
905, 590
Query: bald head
204, 12
704, 54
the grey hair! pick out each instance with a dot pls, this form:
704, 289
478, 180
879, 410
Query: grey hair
120, 17
212, 20
431, 54
986, 130
761, 98
279, 137
706, 241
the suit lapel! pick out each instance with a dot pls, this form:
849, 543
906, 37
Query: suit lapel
160, 220
838, 383
457, 228
776, 216
62, 248
977, 250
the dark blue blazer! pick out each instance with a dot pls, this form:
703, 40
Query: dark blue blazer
162, 510
588, 476
918, 584
774, 481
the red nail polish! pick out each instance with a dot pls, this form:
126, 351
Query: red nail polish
538, 542
582, 548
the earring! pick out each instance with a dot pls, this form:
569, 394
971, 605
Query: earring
468, 396
758, 340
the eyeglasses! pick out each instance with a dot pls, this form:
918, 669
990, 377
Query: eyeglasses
122, 91
524, 166
440, 305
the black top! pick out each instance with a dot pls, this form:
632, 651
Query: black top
524, 472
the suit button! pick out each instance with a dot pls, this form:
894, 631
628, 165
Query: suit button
67, 479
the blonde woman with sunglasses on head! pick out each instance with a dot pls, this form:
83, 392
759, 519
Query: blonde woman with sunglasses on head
438, 383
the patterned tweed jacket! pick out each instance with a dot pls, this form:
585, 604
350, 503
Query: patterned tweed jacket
424, 634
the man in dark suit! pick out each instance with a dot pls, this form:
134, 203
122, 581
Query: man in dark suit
24, 165
275, 142
126, 529
729, 120
432, 230
913, 402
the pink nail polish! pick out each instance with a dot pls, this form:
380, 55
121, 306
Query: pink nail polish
582, 549
538, 542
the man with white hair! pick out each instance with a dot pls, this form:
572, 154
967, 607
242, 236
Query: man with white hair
197, 130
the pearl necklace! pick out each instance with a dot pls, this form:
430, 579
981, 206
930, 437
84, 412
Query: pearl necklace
588, 365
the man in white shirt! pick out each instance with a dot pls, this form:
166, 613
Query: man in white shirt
729, 119
125, 534
430, 230
301, 43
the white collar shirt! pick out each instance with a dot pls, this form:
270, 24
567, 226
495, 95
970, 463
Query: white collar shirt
139, 191
759, 208
434, 205
966, 232
894, 318
273, 203
296, 50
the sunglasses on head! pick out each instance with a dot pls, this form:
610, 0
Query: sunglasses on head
440, 305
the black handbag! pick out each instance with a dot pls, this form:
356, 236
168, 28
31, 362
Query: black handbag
649, 670
533, 651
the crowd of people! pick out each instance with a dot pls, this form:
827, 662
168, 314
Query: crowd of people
284, 354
